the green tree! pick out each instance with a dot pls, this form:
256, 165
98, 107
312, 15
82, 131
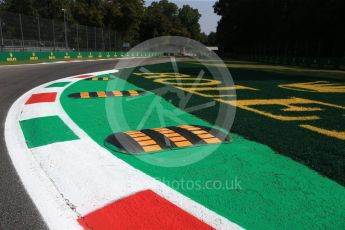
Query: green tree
85, 12
161, 19
190, 20
203, 38
131, 15
283, 28
112, 14
212, 39
44, 8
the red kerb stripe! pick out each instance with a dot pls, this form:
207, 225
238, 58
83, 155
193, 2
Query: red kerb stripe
41, 97
143, 210
84, 76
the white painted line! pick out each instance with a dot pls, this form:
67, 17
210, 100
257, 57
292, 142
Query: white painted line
47, 199
94, 73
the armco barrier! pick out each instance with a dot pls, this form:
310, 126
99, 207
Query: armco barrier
12, 57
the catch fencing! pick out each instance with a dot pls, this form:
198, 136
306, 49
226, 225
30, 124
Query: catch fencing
20, 32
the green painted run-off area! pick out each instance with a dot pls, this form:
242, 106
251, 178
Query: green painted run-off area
273, 192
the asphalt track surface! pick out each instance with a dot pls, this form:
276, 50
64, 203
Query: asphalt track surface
17, 211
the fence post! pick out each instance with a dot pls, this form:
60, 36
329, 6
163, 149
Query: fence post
109, 40
115, 40
103, 45
21, 30
65, 23
2, 38
77, 38
95, 39
87, 39
39, 30
54, 35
